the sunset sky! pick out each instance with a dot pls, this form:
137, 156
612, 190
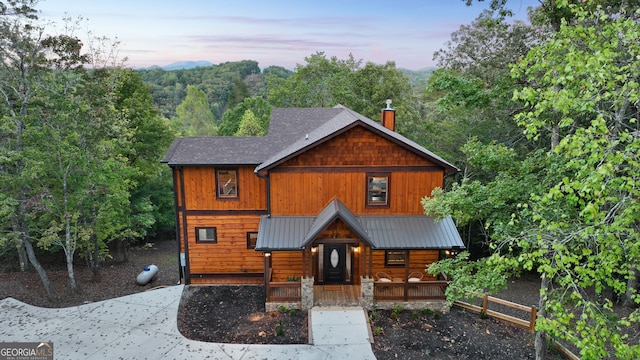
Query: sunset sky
275, 32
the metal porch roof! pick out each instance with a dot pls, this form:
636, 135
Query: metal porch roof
384, 232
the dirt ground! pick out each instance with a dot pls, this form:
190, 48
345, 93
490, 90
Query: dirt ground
236, 314
116, 279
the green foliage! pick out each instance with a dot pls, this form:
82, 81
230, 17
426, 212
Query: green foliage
468, 279
280, 329
495, 182
239, 92
398, 309
326, 82
582, 231
169, 88
193, 115
231, 120
250, 126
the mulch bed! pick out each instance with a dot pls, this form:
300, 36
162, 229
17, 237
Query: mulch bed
236, 314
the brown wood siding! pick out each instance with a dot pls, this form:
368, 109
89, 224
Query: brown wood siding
230, 253
418, 259
338, 168
357, 146
286, 264
200, 191
306, 193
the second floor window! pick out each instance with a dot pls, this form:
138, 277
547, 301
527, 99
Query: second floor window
227, 184
377, 189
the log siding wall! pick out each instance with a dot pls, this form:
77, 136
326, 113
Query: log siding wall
230, 253
200, 190
302, 185
338, 168
198, 206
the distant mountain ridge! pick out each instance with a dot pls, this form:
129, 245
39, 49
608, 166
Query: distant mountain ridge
180, 65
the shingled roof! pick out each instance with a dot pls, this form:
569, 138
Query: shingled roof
291, 132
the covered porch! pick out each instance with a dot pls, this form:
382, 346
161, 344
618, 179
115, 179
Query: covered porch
337, 258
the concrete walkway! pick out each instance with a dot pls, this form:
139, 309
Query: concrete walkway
144, 326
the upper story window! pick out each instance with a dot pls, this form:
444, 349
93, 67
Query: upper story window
378, 189
227, 181
207, 235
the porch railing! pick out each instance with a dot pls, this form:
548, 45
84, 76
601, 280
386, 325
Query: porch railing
285, 291
407, 291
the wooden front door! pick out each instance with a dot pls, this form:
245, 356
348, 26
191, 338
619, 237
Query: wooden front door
334, 263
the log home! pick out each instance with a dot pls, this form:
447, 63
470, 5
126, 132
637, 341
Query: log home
323, 210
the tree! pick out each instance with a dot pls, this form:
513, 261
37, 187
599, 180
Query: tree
194, 117
238, 93
578, 229
469, 106
250, 126
23, 66
587, 230
485, 48
232, 118
326, 82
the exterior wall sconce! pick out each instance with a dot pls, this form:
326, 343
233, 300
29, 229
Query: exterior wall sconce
314, 248
455, 250
267, 254
355, 247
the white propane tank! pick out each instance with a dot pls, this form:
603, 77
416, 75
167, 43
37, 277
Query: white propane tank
146, 275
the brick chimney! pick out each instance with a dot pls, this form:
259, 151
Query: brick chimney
389, 117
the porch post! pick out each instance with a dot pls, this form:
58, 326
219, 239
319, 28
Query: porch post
304, 264
406, 275
370, 261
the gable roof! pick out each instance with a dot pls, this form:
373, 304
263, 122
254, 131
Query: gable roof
334, 210
291, 131
343, 121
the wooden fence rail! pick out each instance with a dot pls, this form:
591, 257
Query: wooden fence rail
532, 310
529, 325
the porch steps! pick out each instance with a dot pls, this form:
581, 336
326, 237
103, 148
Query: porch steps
341, 327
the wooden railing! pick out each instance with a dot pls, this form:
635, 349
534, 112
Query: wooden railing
285, 291
407, 291
530, 325
527, 324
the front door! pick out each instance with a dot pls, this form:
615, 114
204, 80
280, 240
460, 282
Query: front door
334, 263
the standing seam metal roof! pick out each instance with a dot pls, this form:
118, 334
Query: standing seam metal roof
383, 232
